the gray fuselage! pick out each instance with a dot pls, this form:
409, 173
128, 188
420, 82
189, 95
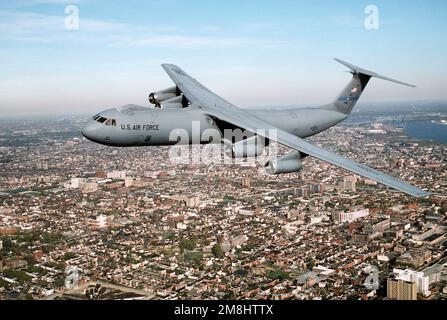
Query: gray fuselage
140, 126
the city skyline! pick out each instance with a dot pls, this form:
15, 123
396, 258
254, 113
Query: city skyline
132, 225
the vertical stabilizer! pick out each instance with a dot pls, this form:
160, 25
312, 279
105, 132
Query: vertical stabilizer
347, 99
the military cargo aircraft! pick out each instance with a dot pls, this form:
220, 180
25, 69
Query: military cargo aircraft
189, 102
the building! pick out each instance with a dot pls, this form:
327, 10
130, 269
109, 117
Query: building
98, 222
150, 174
398, 289
128, 182
116, 175
422, 281
246, 182
317, 188
379, 225
239, 240
434, 273
415, 258
89, 187
77, 183
7, 231
360, 237
38, 255
13, 263
349, 216
348, 184
192, 202
301, 192
101, 175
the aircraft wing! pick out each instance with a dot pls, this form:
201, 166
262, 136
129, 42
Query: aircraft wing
213, 105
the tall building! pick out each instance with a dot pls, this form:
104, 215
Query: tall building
116, 175
348, 183
192, 202
97, 222
77, 183
398, 289
301, 192
350, 216
246, 182
128, 182
317, 188
422, 281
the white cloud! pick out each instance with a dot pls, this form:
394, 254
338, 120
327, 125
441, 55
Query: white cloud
37, 28
185, 41
14, 23
58, 2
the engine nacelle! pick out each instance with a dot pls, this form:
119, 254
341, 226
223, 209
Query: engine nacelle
163, 95
174, 103
251, 147
286, 164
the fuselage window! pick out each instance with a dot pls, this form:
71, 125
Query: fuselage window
102, 120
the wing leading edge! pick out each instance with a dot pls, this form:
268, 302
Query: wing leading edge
210, 103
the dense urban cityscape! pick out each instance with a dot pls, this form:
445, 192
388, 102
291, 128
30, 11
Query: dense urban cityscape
83, 221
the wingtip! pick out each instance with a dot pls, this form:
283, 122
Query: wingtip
422, 193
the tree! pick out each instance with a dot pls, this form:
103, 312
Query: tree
217, 251
169, 235
7, 243
229, 295
278, 274
195, 257
59, 282
310, 263
189, 244
20, 275
69, 255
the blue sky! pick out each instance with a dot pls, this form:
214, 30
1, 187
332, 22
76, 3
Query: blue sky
254, 53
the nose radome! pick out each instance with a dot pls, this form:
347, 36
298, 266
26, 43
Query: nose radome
88, 130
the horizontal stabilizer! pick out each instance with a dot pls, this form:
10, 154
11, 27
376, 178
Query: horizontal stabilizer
358, 70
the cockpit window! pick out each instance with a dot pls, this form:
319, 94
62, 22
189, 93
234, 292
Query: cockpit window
110, 122
107, 122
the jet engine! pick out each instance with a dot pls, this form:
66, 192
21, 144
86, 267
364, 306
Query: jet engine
251, 147
163, 95
172, 103
289, 163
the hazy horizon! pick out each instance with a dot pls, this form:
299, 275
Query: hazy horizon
360, 108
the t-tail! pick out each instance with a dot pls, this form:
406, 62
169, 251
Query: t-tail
347, 99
